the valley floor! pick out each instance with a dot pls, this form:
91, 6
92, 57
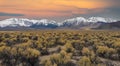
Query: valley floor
60, 48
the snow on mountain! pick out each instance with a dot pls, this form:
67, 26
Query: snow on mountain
14, 22
47, 22
82, 20
100, 19
78, 21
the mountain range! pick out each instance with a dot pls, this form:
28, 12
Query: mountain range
73, 23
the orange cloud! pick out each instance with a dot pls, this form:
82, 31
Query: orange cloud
51, 7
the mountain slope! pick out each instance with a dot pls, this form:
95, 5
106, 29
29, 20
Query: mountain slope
92, 22
20, 22
74, 23
113, 25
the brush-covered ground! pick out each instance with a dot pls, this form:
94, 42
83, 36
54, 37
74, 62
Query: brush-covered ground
59, 48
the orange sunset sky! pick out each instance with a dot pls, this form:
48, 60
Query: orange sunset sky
58, 9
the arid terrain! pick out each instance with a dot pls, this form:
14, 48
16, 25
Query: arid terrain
60, 48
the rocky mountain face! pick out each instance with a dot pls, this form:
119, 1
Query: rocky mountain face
113, 25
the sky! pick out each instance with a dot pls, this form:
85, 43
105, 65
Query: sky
59, 9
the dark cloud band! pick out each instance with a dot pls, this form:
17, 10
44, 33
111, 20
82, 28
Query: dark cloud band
10, 14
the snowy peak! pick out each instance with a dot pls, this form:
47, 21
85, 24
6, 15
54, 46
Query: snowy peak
91, 19
100, 19
74, 21
45, 23
79, 20
14, 22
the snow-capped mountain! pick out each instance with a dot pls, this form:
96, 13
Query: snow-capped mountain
14, 22
79, 22
75, 21
100, 19
23, 22
45, 23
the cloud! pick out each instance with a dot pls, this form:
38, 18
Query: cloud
101, 12
60, 8
10, 14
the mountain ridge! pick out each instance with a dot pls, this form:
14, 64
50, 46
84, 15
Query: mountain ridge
77, 23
